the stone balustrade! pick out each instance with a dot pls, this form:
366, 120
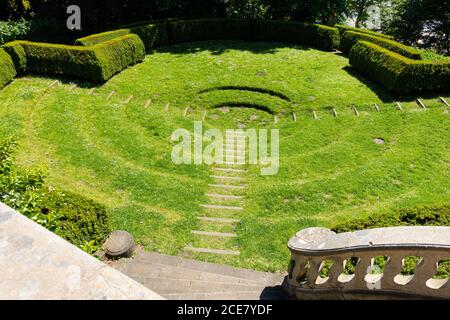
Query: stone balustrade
314, 249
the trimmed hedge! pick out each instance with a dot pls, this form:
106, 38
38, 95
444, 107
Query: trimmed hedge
397, 73
153, 35
343, 29
18, 55
323, 37
101, 37
80, 220
7, 69
351, 38
96, 63
208, 29
418, 216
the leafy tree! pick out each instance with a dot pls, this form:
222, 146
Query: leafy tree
424, 23
359, 9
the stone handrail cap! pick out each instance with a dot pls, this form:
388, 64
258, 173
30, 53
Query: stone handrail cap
320, 240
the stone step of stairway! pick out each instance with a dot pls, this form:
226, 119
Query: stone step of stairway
227, 178
274, 293
214, 234
139, 270
212, 251
220, 207
219, 220
230, 170
224, 196
225, 186
167, 286
189, 264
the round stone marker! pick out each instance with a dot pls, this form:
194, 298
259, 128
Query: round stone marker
379, 141
120, 244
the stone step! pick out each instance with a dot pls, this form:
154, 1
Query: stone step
139, 270
230, 170
225, 186
180, 262
215, 296
227, 178
224, 196
171, 286
267, 294
214, 234
219, 207
219, 220
212, 251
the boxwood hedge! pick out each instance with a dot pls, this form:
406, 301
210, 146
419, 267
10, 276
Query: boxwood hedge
208, 29
343, 29
79, 220
398, 73
350, 38
101, 37
95, 63
293, 32
18, 55
7, 69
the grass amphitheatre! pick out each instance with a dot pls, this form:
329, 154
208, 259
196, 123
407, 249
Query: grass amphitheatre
363, 120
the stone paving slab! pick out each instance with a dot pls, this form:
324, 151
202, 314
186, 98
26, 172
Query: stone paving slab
214, 234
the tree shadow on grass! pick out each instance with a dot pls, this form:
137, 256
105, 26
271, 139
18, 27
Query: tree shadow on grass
219, 47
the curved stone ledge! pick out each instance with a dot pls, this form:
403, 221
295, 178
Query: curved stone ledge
312, 247
37, 264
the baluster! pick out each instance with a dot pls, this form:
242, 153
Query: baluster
425, 269
313, 271
359, 282
336, 269
299, 270
392, 268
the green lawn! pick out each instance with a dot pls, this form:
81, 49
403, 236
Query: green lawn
331, 170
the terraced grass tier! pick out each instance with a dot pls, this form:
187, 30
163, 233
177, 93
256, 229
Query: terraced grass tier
117, 150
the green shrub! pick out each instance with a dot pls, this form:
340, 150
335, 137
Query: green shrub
153, 35
343, 29
208, 29
397, 73
7, 69
117, 54
350, 38
417, 216
101, 37
80, 220
17, 53
13, 30
299, 33
94, 63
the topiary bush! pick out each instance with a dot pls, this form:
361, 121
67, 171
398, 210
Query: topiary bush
315, 35
18, 55
418, 216
101, 37
343, 29
96, 63
154, 35
397, 73
80, 220
7, 69
350, 38
208, 29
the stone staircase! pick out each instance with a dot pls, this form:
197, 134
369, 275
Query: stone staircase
177, 278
